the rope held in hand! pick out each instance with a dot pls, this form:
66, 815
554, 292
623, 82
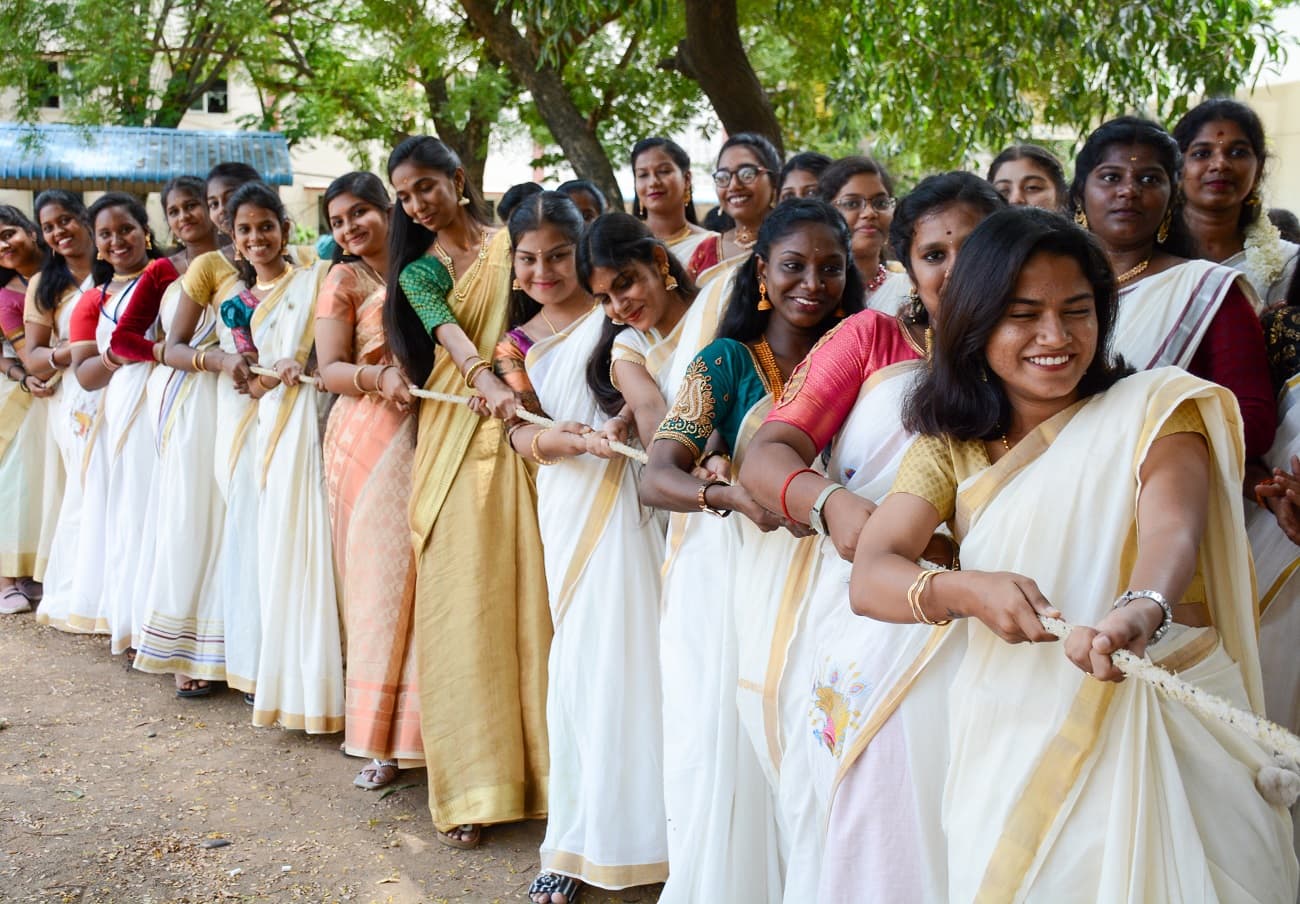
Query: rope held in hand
524, 415
1270, 735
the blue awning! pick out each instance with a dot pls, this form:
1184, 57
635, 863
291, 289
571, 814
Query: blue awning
125, 158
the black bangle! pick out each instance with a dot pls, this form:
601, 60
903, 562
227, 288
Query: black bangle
22, 383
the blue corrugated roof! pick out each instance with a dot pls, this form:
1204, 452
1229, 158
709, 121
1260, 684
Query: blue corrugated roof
90, 158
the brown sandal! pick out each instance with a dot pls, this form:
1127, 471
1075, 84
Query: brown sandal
474, 835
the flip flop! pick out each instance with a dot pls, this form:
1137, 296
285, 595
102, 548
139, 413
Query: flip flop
377, 768
203, 691
12, 602
555, 884
464, 844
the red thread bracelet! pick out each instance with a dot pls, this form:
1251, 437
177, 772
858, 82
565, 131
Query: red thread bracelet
785, 511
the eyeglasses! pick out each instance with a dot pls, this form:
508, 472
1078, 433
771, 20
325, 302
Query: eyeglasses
854, 204
746, 173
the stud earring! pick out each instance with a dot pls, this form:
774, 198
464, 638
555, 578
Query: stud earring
1081, 218
763, 303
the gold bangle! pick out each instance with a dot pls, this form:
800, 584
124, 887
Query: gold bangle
194, 360
379, 380
914, 597
536, 450
356, 379
474, 372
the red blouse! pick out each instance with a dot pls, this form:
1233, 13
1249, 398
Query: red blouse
85, 316
129, 341
1233, 355
707, 254
824, 387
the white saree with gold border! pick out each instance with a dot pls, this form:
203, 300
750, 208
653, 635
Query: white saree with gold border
602, 553
300, 660
1061, 788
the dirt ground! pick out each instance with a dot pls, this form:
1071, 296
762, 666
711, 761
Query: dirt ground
114, 790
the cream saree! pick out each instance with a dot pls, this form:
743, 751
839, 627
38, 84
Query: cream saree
72, 419
699, 325
602, 551
1060, 788
683, 248
182, 629
300, 660
482, 624
1163, 318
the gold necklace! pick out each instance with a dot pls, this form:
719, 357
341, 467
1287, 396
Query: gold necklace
769, 369
129, 276
1129, 274
568, 326
925, 352
266, 287
678, 236
744, 238
442, 255
547, 321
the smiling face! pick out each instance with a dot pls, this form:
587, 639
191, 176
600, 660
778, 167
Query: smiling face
18, 250
868, 226
219, 192
1025, 183
936, 242
1220, 168
746, 203
120, 240
427, 195
260, 236
1126, 195
358, 226
546, 265
634, 293
1047, 336
660, 186
799, 184
804, 272
64, 232
187, 217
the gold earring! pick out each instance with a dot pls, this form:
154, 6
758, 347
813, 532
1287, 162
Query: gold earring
1162, 234
99, 255
670, 281
238, 257
515, 285
763, 303
687, 200
464, 201
1254, 199
1081, 218
148, 242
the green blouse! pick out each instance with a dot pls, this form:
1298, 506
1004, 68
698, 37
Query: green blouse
721, 385
427, 285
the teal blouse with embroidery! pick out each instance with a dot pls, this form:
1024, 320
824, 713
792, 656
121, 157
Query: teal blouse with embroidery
722, 384
427, 284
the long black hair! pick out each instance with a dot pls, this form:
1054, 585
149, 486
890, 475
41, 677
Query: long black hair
933, 193
365, 187
959, 395
12, 216
102, 271
680, 159
256, 194
1043, 159
1130, 130
613, 241
743, 321
547, 208
1227, 109
56, 276
411, 344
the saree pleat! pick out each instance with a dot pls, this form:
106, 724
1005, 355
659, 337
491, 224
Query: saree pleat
482, 623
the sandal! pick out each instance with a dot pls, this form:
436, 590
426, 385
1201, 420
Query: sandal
33, 590
195, 689
12, 601
555, 884
473, 835
381, 773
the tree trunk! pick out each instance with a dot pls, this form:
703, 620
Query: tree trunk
713, 56
471, 142
570, 128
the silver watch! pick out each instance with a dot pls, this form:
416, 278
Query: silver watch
1159, 599
815, 519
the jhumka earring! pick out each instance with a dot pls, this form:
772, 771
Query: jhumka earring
687, 200
1162, 234
1254, 199
670, 281
1081, 218
464, 201
99, 255
763, 303
515, 285
148, 242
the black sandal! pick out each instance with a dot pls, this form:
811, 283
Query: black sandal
555, 884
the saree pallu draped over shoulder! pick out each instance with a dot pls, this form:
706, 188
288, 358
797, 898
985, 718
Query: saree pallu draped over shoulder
1108, 792
482, 621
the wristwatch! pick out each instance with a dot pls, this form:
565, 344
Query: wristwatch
1159, 599
704, 505
815, 513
